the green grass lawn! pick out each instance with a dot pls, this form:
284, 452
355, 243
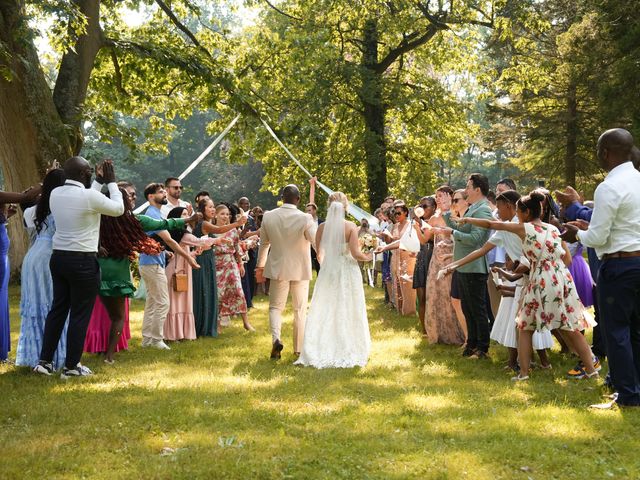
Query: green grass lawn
219, 408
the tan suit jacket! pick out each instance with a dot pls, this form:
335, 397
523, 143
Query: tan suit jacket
286, 234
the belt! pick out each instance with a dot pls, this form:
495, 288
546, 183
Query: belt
608, 256
70, 253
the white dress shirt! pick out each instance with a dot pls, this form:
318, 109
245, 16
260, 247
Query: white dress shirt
76, 211
165, 209
615, 223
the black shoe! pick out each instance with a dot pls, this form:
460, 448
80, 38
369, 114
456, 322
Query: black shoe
467, 352
43, 368
276, 350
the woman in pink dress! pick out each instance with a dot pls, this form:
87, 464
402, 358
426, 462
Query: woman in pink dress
229, 271
180, 323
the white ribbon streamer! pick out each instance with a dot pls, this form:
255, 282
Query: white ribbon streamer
197, 161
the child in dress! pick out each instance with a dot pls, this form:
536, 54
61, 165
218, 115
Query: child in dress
550, 300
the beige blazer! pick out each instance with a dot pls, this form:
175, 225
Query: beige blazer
286, 234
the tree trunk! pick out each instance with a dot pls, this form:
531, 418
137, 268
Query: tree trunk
371, 96
31, 133
75, 72
570, 159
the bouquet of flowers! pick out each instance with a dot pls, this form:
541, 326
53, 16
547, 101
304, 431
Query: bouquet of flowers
368, 243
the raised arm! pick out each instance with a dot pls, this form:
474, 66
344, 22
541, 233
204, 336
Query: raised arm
177, 249
476, 254
517, 228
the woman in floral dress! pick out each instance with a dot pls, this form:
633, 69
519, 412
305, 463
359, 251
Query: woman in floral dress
550, 300
229, 271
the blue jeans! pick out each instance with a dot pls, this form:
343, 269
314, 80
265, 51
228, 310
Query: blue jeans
619, 309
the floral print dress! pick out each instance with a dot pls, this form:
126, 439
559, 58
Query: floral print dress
550, 300
231, 299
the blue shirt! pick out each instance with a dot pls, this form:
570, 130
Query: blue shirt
159, 259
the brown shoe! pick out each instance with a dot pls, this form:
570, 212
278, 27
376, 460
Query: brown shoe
276, 350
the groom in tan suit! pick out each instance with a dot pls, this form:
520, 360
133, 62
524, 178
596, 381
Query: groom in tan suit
285, 237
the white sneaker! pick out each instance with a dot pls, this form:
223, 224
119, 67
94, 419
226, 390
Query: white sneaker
160, 345
79, 371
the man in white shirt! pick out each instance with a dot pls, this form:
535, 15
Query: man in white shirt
174, 191
614, 233
75, 272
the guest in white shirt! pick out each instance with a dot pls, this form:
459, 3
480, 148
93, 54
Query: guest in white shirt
614, 233
76, 209
174, 191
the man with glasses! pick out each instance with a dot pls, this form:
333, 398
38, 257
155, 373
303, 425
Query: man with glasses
472, 278
174, 191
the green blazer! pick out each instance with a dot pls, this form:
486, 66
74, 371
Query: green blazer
468, 238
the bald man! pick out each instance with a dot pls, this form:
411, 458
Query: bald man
614, 233
75, 272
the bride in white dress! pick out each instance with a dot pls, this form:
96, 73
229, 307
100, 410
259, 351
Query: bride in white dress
337, 330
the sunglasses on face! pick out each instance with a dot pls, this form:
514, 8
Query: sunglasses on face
456, 200
398, 212
178, 188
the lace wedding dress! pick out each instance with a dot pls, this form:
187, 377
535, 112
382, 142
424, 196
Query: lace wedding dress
337, 330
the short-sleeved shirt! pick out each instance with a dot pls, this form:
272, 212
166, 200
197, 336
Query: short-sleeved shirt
159, 259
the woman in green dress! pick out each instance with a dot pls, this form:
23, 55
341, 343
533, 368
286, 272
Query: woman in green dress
205, 293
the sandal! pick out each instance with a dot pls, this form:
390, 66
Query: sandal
520, 378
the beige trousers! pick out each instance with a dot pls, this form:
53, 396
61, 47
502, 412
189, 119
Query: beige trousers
278, 293
157, 304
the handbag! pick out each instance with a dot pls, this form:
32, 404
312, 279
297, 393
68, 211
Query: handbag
409, 240
180, 281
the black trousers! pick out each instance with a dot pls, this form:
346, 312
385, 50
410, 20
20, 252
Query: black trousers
619, 304
76, 282
315, 264
473, 296
598, 346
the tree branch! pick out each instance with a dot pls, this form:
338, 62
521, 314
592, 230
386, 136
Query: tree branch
406, 46
118, 72
281, 12
165, 8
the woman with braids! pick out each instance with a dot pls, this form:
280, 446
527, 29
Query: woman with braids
205, 291
180, 322
550, 300
36, 284
120, 238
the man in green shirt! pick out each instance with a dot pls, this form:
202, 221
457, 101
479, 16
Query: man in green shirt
472, 278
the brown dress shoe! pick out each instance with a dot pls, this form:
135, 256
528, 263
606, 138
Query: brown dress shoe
276, 350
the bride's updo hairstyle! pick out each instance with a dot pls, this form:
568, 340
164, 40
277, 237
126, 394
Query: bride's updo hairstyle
339, 197
532, 204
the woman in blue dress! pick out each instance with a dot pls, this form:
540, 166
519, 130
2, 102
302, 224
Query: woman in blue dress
37, 288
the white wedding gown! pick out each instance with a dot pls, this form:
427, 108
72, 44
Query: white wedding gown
337, 330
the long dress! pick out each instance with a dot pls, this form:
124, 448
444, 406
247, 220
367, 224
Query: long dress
205, 292
402, 266
581, 274
5, 329
550, 300
99, 329
36, 295
231, 299
180, 323
115, 281
337, 329
441, 321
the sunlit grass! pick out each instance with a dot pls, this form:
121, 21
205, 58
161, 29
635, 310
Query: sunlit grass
219, 408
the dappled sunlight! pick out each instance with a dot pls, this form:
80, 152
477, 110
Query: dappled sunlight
429, 403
